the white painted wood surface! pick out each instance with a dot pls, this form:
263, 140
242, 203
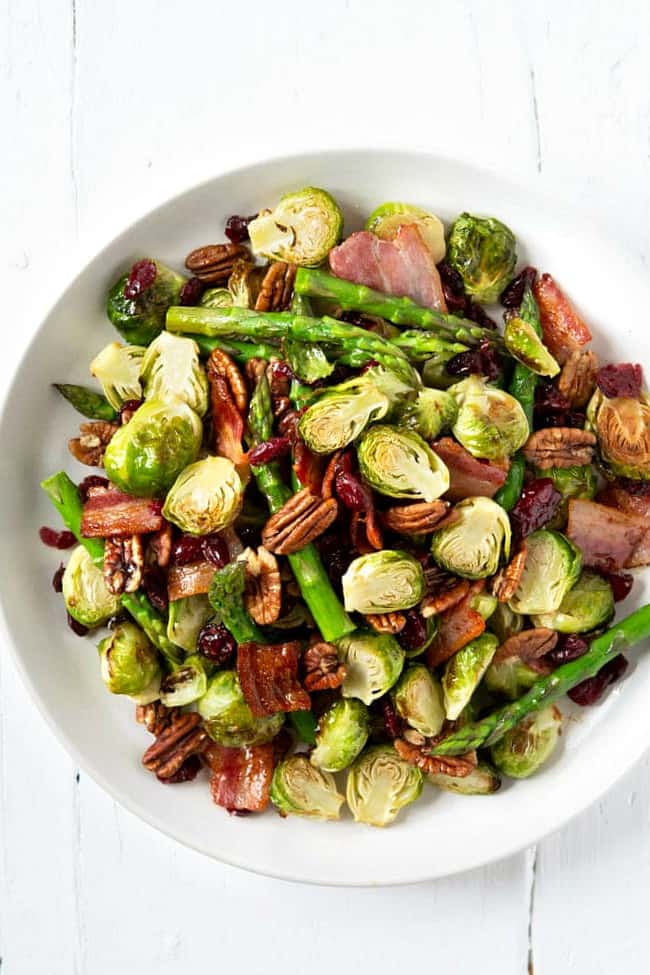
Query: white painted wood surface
109, 107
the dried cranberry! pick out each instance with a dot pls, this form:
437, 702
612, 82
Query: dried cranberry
351, 491
215, 550
452, 287
77, 627
57, 579
191, 292
590, 691
93, 480
568, 647
513, 294
56, 539
640, 489
187, 549
549, 398
476, 314
154, 584
357, 318
128, 409
336, 553
623, 379
269, 450
370, 364
216, 643
281, 370
237, 228
414, 633
141, 276
621, 583
392, 721
482, 360
538, 503
188, 771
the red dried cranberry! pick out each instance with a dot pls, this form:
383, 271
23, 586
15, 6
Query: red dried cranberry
513, 294
78, 628
216, 643
187, 549
640, 489
281, 370
336, 553
215, 550
93, 480
57, 579
568, 647
392, 721
191, 292
549, 398
482, 360
128, 409
590, 691
621, 583
351, 491
370, 364
154, 584
623, 379
269, 450
357, 318
476, 314
188, 771
452, 287
414, 633
56, 539
538, 503
141, 276
237, 228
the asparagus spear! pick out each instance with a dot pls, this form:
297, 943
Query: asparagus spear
420, 346
240, 351
227, 599
546, 690
316, 589
87, 401
63, 494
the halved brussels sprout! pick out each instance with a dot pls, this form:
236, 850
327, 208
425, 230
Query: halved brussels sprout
529, 744
205, 497
227, 717
186, 684
386, 220
130, 664
430, 413
117, 367
141, 318
380, 783
464, 671
481, 781
300, 789
171, 370
342, 732
216, 298
571, 482
308, 362
472, 545
339, 415
86, 597
622, 426
509, 678
524, 344
491, 423
418, 700
588, 605
383, 582
484, 252
553, 566
301, 229
145, 456
484, 604
245, 282
187, 617
373, 663
504, 622
400, 464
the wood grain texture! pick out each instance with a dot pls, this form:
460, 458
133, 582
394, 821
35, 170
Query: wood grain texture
107, 109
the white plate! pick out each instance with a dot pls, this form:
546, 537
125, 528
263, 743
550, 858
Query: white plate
441, 834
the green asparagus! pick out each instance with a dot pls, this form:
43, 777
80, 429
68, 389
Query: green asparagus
87, 401
227, 600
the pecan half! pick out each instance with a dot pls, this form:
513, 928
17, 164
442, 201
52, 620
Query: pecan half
386, 622
456, 765
159, 549
577, 380
327, 487
528, 645
185, 736
444, 591
559, 447
254, 370
505, 583
412, 519
323, 669
302, 519
279, 386
123, 563
221, 364
263, 591
155, 717
88, 448
365, 531
277, 287
213, 263
228, 402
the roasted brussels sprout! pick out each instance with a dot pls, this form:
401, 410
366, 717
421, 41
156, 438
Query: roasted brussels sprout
216, 298
380, 783
463, 672
245, 282
171, 370
400, 464
553, 566
301, 229
373, 663
472, 545
383, 582
418, 700
86, 597
491, 423
524, 344
117, 367
187, 617
481, 781
308, 362
186, 684
484, 252
342, 733
431, 412
571, 482
145, 456
529, 744
484, 603
227, 717
339, 415
504, 622
509, 678
300, 789
386, 220
138, 302
588, 605
622, 426
130, 664
205, 497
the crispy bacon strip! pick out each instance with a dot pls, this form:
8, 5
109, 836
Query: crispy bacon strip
110, 512
269, 678
189, 580
563, 328
456, 627
609, 539
468, 476
241, 776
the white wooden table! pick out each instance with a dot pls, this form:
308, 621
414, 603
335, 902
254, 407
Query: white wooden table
110, 107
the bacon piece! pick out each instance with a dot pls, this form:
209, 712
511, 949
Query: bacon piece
403, 266
456, 627
469, 476
241, 777
109, 512
191, 579
269, 678
609, 539
563, 328
615, 496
